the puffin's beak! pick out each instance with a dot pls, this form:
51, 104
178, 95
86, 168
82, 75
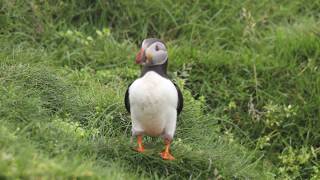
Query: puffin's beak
140, 56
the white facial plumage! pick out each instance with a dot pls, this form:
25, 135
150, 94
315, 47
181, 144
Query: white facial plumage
156, 53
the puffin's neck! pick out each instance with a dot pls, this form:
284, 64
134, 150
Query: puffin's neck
160, 69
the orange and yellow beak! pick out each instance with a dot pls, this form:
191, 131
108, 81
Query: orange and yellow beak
143, 57
140, 56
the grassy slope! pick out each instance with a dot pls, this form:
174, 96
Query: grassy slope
62, 85
76, 120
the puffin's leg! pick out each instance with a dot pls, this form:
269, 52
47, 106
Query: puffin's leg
138, 132
168, 134
140, 147
165, 154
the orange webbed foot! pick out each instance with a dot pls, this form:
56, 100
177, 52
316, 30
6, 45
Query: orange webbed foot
166, 153
166, 156
140, 147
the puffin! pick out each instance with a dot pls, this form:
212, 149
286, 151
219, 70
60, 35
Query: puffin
153, 100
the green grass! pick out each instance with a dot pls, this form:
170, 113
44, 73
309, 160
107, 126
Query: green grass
90, 124
249, 71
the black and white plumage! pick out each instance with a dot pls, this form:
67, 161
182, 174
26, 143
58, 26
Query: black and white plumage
153, 100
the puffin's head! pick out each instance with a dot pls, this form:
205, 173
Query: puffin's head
152, 52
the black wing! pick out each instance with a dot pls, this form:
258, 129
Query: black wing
126, 99
180, 99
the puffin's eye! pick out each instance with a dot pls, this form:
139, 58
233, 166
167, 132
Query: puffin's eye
157, 48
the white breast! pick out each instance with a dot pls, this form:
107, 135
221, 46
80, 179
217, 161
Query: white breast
153, 103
